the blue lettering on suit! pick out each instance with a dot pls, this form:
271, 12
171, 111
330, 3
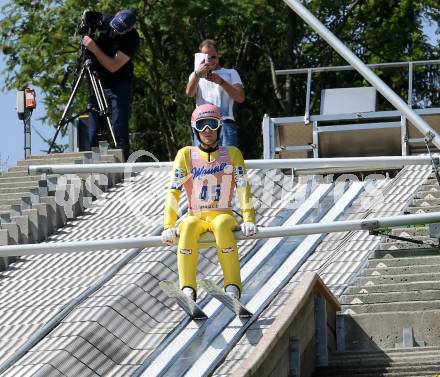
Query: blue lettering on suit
203, 171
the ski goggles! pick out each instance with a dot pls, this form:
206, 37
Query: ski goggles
212, 123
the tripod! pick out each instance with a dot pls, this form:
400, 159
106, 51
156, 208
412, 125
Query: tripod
86, 68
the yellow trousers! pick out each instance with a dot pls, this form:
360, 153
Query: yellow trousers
221, 224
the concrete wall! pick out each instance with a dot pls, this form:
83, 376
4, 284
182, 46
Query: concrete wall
301, 336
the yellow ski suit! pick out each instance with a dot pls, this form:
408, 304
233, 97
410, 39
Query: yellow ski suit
220, 222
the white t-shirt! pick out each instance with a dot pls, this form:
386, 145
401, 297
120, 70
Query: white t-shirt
210, 92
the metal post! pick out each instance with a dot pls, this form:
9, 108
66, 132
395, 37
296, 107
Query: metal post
366, 72
308, 91
272, 138
27, 133
410, 84
315, 139
266, 137
404, 136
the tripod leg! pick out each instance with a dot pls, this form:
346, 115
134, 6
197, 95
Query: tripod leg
98, 91
62, 122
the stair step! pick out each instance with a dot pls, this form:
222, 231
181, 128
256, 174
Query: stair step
411, 231
24, 227
389, 297
18, 169
24, 202
86, 154
400, 287
432, 180
425, 202
52, 161
416, 210
431, 370
384, 361
401, 270
30, 183
400, 262
427, 194
24, 178
15, 174
31, 194
5, 217
13, 209
430, 186
403, 253
13, 233
399, 245
402, 306
424, 238
395, 279
18, 189
380, 331
389, 353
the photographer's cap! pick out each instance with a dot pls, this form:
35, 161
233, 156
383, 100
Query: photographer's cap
123, 21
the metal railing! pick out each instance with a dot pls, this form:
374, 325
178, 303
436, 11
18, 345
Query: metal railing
208, 239
427, 131
310, 71
387, 119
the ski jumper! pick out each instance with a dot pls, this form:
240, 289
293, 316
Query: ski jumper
209, 180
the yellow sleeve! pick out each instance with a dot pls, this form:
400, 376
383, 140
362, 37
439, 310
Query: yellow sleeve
178, 174
243, 188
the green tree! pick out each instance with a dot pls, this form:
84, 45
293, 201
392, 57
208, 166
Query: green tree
39, 39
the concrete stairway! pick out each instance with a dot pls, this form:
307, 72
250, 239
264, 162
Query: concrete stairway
34, 206
389, 323
409, 362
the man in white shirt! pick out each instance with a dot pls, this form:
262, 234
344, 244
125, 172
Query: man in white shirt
213, 84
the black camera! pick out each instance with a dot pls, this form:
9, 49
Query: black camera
90, 22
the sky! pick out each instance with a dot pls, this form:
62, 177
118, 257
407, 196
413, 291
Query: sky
12, 130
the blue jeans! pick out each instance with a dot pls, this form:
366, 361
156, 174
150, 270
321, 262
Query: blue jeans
119, 100
229, 136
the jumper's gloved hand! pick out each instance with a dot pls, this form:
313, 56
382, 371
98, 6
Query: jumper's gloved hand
169, 236
248, 229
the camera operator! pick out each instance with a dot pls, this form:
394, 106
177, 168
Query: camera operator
114, 46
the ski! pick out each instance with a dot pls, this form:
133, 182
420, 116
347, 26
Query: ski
171, 289
231, 303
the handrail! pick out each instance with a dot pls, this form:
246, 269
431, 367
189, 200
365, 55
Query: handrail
370, 116
208, 239
298, 71
427, 131
304, 163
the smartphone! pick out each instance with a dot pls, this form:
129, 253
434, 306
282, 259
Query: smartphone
207, 61
199, 58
